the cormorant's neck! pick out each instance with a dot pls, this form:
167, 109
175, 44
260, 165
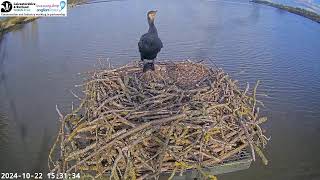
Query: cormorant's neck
152, 27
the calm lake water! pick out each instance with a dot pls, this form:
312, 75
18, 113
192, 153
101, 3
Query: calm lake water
39, 65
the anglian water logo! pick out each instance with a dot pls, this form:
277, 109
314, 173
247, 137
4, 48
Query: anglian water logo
62, 5
6, 6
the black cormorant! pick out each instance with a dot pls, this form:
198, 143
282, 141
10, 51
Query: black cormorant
150, 44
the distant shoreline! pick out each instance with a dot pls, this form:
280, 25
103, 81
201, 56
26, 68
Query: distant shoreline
10, 23
295, 10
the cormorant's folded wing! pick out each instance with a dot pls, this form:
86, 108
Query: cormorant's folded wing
149, 44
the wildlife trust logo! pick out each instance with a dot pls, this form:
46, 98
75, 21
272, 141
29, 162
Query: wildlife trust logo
6, 6
33, 8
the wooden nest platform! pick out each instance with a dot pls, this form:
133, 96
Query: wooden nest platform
134, 125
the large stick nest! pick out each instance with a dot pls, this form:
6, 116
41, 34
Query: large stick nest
130, 124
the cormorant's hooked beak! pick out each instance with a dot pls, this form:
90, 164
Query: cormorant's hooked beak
152, 14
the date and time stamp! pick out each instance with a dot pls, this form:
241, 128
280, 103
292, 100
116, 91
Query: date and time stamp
6, 175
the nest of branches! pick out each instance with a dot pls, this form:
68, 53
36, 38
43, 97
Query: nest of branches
134, 125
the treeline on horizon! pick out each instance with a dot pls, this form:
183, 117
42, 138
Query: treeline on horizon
296, 10
11, 23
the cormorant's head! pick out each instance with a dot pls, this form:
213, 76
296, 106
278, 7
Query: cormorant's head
151, 16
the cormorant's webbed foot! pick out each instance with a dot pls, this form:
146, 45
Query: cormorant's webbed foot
148, 66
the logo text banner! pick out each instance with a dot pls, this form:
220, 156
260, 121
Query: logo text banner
11, 8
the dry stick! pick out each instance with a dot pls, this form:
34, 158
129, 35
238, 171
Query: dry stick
260, 134
57, 139
164, 150
225, 156
128, 166
137, 141
115, 163
62, 144
190, 147
132, 131
260, 153
173, 173
123, 120
123, 86
249, 138
76, 96
52, 149
246, 90
143, 176
107, 101
254, 96
79, 152
143, 162
97, 141
207, 155
201, 151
